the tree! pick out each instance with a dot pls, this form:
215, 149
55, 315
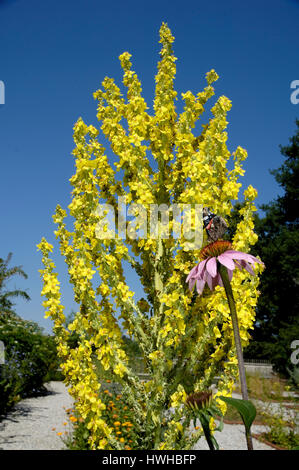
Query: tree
6, 305
278, 305
185, 342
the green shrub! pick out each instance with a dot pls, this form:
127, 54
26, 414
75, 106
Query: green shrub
30, 360
281, 431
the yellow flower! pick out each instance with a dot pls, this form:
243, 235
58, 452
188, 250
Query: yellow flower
250, 193
120, 370
178, 397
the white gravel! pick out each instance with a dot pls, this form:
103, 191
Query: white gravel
34, 422
232, 437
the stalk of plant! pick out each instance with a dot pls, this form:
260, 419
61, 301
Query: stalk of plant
232, 307
219, 262
202, 408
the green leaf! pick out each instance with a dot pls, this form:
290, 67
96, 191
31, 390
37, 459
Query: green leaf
244, 407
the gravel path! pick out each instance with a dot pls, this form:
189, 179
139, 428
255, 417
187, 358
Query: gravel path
35, 422
232, 437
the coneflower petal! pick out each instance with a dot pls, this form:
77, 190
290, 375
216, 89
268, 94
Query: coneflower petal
192, 273
191, 283
200, 284
211, 267
238, 264
209, 280
245, 256
226, 261
201, 268
247, 266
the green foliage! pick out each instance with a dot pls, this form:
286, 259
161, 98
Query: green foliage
245, 408
131, 347
294, 376
280, 431
266, 389
30, 360
78, 438
277, 322
73, 338
204, 415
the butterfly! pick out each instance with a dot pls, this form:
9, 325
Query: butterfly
214, 225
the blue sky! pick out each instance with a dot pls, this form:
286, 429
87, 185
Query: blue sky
54, 55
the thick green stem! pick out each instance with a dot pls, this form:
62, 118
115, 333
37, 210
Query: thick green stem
207, 432
232, 306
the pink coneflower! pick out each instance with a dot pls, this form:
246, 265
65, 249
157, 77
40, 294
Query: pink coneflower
207, 271
216, 268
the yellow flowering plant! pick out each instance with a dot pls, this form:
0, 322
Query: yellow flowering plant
185, 342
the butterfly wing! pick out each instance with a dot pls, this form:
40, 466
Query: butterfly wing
216, 228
